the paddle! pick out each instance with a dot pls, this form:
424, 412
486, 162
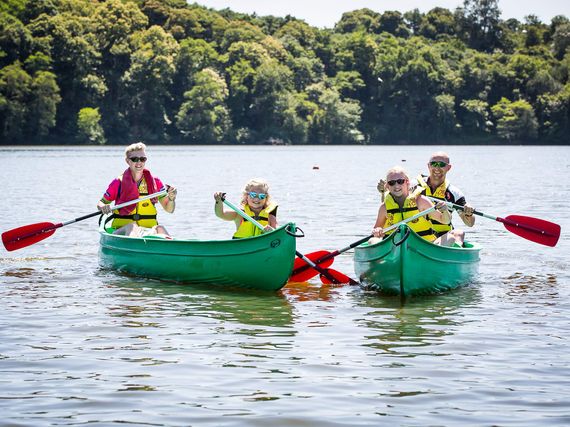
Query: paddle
27, 235
534, 229
334, 276
303, 272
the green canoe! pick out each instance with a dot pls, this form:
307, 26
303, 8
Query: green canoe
405, 264
263, 262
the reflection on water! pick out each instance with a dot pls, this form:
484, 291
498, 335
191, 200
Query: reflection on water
306, 291
536, 289
148, 297
20, 273
84, 346
420, 322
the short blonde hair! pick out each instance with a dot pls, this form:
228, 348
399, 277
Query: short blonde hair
137, 146
397, 169
256, 182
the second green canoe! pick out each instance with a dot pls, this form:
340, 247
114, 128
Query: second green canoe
263, 262
405, 264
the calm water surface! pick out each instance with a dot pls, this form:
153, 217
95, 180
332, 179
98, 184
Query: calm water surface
80, 345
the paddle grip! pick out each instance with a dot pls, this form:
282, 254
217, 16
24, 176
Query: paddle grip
461, 208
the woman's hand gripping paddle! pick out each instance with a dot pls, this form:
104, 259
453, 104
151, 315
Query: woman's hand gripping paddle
27, 235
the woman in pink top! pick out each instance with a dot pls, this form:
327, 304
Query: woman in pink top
140, 219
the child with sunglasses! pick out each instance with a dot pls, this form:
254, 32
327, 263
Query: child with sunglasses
400, 204
137, 220
255, 202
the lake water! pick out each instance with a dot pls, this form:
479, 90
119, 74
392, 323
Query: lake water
80, 345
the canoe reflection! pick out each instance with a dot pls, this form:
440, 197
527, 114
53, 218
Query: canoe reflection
421, 322
148, 297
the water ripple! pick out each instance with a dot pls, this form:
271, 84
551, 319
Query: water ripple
83, 345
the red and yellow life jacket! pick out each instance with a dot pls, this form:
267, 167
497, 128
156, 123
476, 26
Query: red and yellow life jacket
143, 213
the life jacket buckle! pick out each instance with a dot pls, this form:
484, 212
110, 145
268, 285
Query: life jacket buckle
136, 217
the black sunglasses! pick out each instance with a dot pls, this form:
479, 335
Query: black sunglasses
436, 164
394, 181
137, 159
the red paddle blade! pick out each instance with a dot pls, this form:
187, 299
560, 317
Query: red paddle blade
27, 235
303, 272
339, 278
536, 230
313, 256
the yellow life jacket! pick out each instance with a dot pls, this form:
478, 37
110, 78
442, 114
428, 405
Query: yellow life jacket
394, 214
439, 193
143, 213
247, 228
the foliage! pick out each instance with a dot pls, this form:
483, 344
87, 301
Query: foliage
516, 121
110, 71
479, 24
15, 92
89, 128
203, 116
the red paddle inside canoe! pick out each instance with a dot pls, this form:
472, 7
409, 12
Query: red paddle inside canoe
332, 276
303, 271
27, 235
534, 229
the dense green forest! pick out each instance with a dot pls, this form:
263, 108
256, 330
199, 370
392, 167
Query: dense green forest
117, 71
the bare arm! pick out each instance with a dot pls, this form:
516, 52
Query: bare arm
382, 189
467, 216
219, 208
378, 231
272, 221
168, 202
441, 214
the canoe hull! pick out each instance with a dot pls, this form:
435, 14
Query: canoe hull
264, 262
405, 264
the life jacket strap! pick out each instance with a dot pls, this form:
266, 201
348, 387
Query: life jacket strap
398, 210
134, 217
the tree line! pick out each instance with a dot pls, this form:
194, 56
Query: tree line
117, 71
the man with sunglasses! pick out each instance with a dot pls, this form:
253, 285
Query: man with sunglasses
136, 220
436, 185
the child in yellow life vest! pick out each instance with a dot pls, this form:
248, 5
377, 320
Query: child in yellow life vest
255, 202
399, 204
